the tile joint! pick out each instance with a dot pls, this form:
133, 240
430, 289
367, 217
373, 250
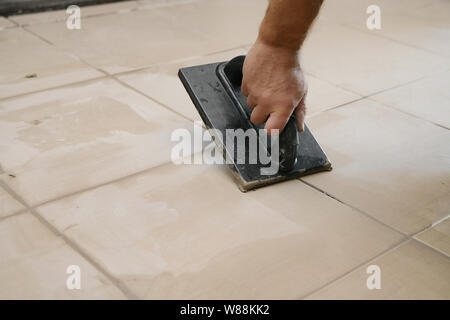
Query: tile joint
72, 244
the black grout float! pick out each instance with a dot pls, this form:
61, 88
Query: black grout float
256, 159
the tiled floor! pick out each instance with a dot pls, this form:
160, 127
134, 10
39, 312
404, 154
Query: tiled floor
86, 118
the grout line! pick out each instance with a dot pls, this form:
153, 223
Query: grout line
409, 236
180, 60
406, 237
38, 36
67, 195
382, 253
439, 221
312, 115
151, 98
138, 7
430, 246
371, 95
382, 36
71, 243
353, 207
21, 211
408, 113
80, 82
13, 22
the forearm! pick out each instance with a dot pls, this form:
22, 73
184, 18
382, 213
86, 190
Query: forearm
287, 22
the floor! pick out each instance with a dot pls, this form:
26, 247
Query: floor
86, 177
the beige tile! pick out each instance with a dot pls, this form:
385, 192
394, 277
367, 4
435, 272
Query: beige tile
63, 140
437, 237
323, 95
411, 271
428, 98
390, 165
30, 64
122, 42
188, 232
8, 205
362, 62
5, 23
150, 4
34, 264
354, 11
86, 11
227, 24
161, 82
420, 23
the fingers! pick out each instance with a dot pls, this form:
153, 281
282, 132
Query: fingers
276, 121
258, 116
300, 113
251, 102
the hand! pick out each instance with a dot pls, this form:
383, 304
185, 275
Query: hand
274, 85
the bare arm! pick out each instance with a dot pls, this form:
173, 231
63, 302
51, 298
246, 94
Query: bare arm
273, 80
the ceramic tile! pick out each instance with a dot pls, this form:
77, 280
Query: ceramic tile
411, 271
5, 23
362, 62
86, 11
420, 23
8, 205
428, 98
34, 264
227, 24
63, 140
31, 64
323, 96
354, 11
390, 165
151, 4
188, 232
437, 237
122, 42
161, 82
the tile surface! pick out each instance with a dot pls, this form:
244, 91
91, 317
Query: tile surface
8, 205
34, 264
423, 24
376, 63
93, 155
428, 98
62, 15
33, 64
161, 82
390, 165
322, 95
193, 234
437, 237
5, 23
63, 140
122, 42
226, 24
411, 271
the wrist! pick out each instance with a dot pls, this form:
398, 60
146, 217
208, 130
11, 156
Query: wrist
283, 55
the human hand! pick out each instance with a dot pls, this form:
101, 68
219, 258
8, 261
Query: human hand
274, 85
